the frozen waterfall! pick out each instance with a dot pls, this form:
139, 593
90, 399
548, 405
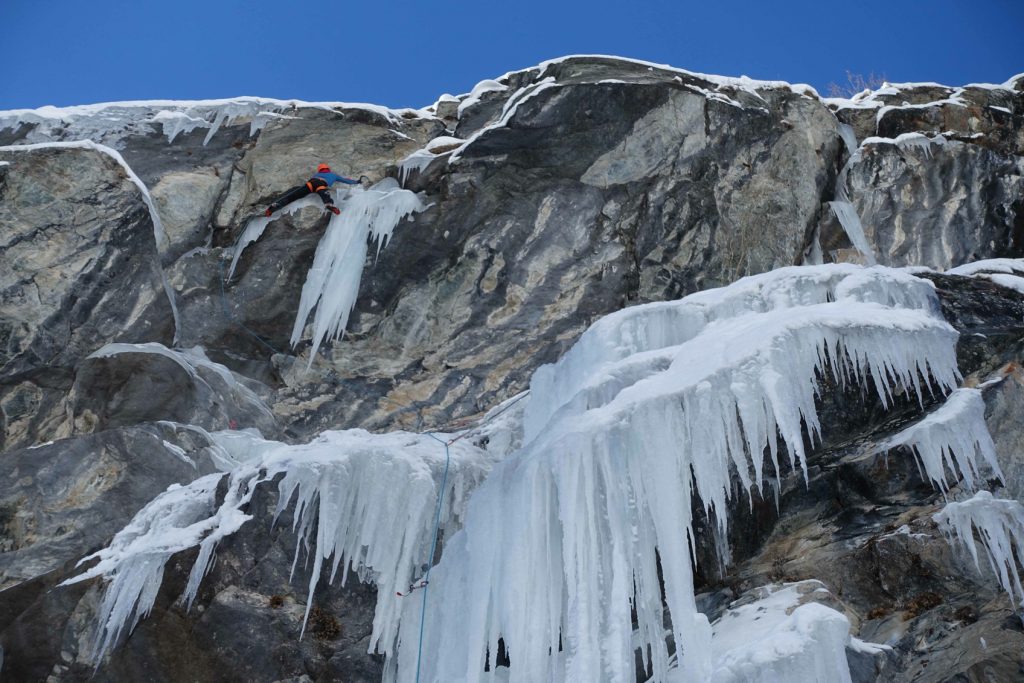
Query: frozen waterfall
565, 539
587, 526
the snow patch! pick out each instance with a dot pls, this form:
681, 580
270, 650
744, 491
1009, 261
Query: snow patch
995, 265
1014, 282
512, 105
1005, 272
777, 638
484, 86
909, 141
421, 158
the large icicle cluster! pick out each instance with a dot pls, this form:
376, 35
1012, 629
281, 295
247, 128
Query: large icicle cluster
333, 281
590, 521
362, 502
952, 437
1000, 525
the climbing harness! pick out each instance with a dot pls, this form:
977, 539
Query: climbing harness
316, 188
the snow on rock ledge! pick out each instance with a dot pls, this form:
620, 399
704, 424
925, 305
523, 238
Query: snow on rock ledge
780, 637
1005, 272
111, 122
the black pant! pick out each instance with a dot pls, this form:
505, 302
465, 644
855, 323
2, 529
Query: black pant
298, 192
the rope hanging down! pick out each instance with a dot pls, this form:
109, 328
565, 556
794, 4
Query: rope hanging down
433, 548
425, 581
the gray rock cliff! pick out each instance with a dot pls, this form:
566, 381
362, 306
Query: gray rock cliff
558, 195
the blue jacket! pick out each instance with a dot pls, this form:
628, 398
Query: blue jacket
331, 178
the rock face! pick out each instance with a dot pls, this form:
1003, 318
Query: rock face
80, 269
556, 195
938, 205
951, 189
125, 385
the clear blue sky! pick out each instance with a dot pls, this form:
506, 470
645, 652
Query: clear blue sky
407, 53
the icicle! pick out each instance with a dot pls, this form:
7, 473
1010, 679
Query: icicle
591, 517
849, 137
1000, 526
175, 122
333, 280
850, 221
909, 141
951, 437
255, 227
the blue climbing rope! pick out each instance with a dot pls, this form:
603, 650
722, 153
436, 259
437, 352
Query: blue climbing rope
433, 548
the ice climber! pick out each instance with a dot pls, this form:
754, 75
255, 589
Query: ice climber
319, 184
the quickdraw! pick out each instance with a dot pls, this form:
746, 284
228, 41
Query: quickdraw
413, 587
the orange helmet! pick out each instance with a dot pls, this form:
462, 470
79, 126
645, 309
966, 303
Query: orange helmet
323, 168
